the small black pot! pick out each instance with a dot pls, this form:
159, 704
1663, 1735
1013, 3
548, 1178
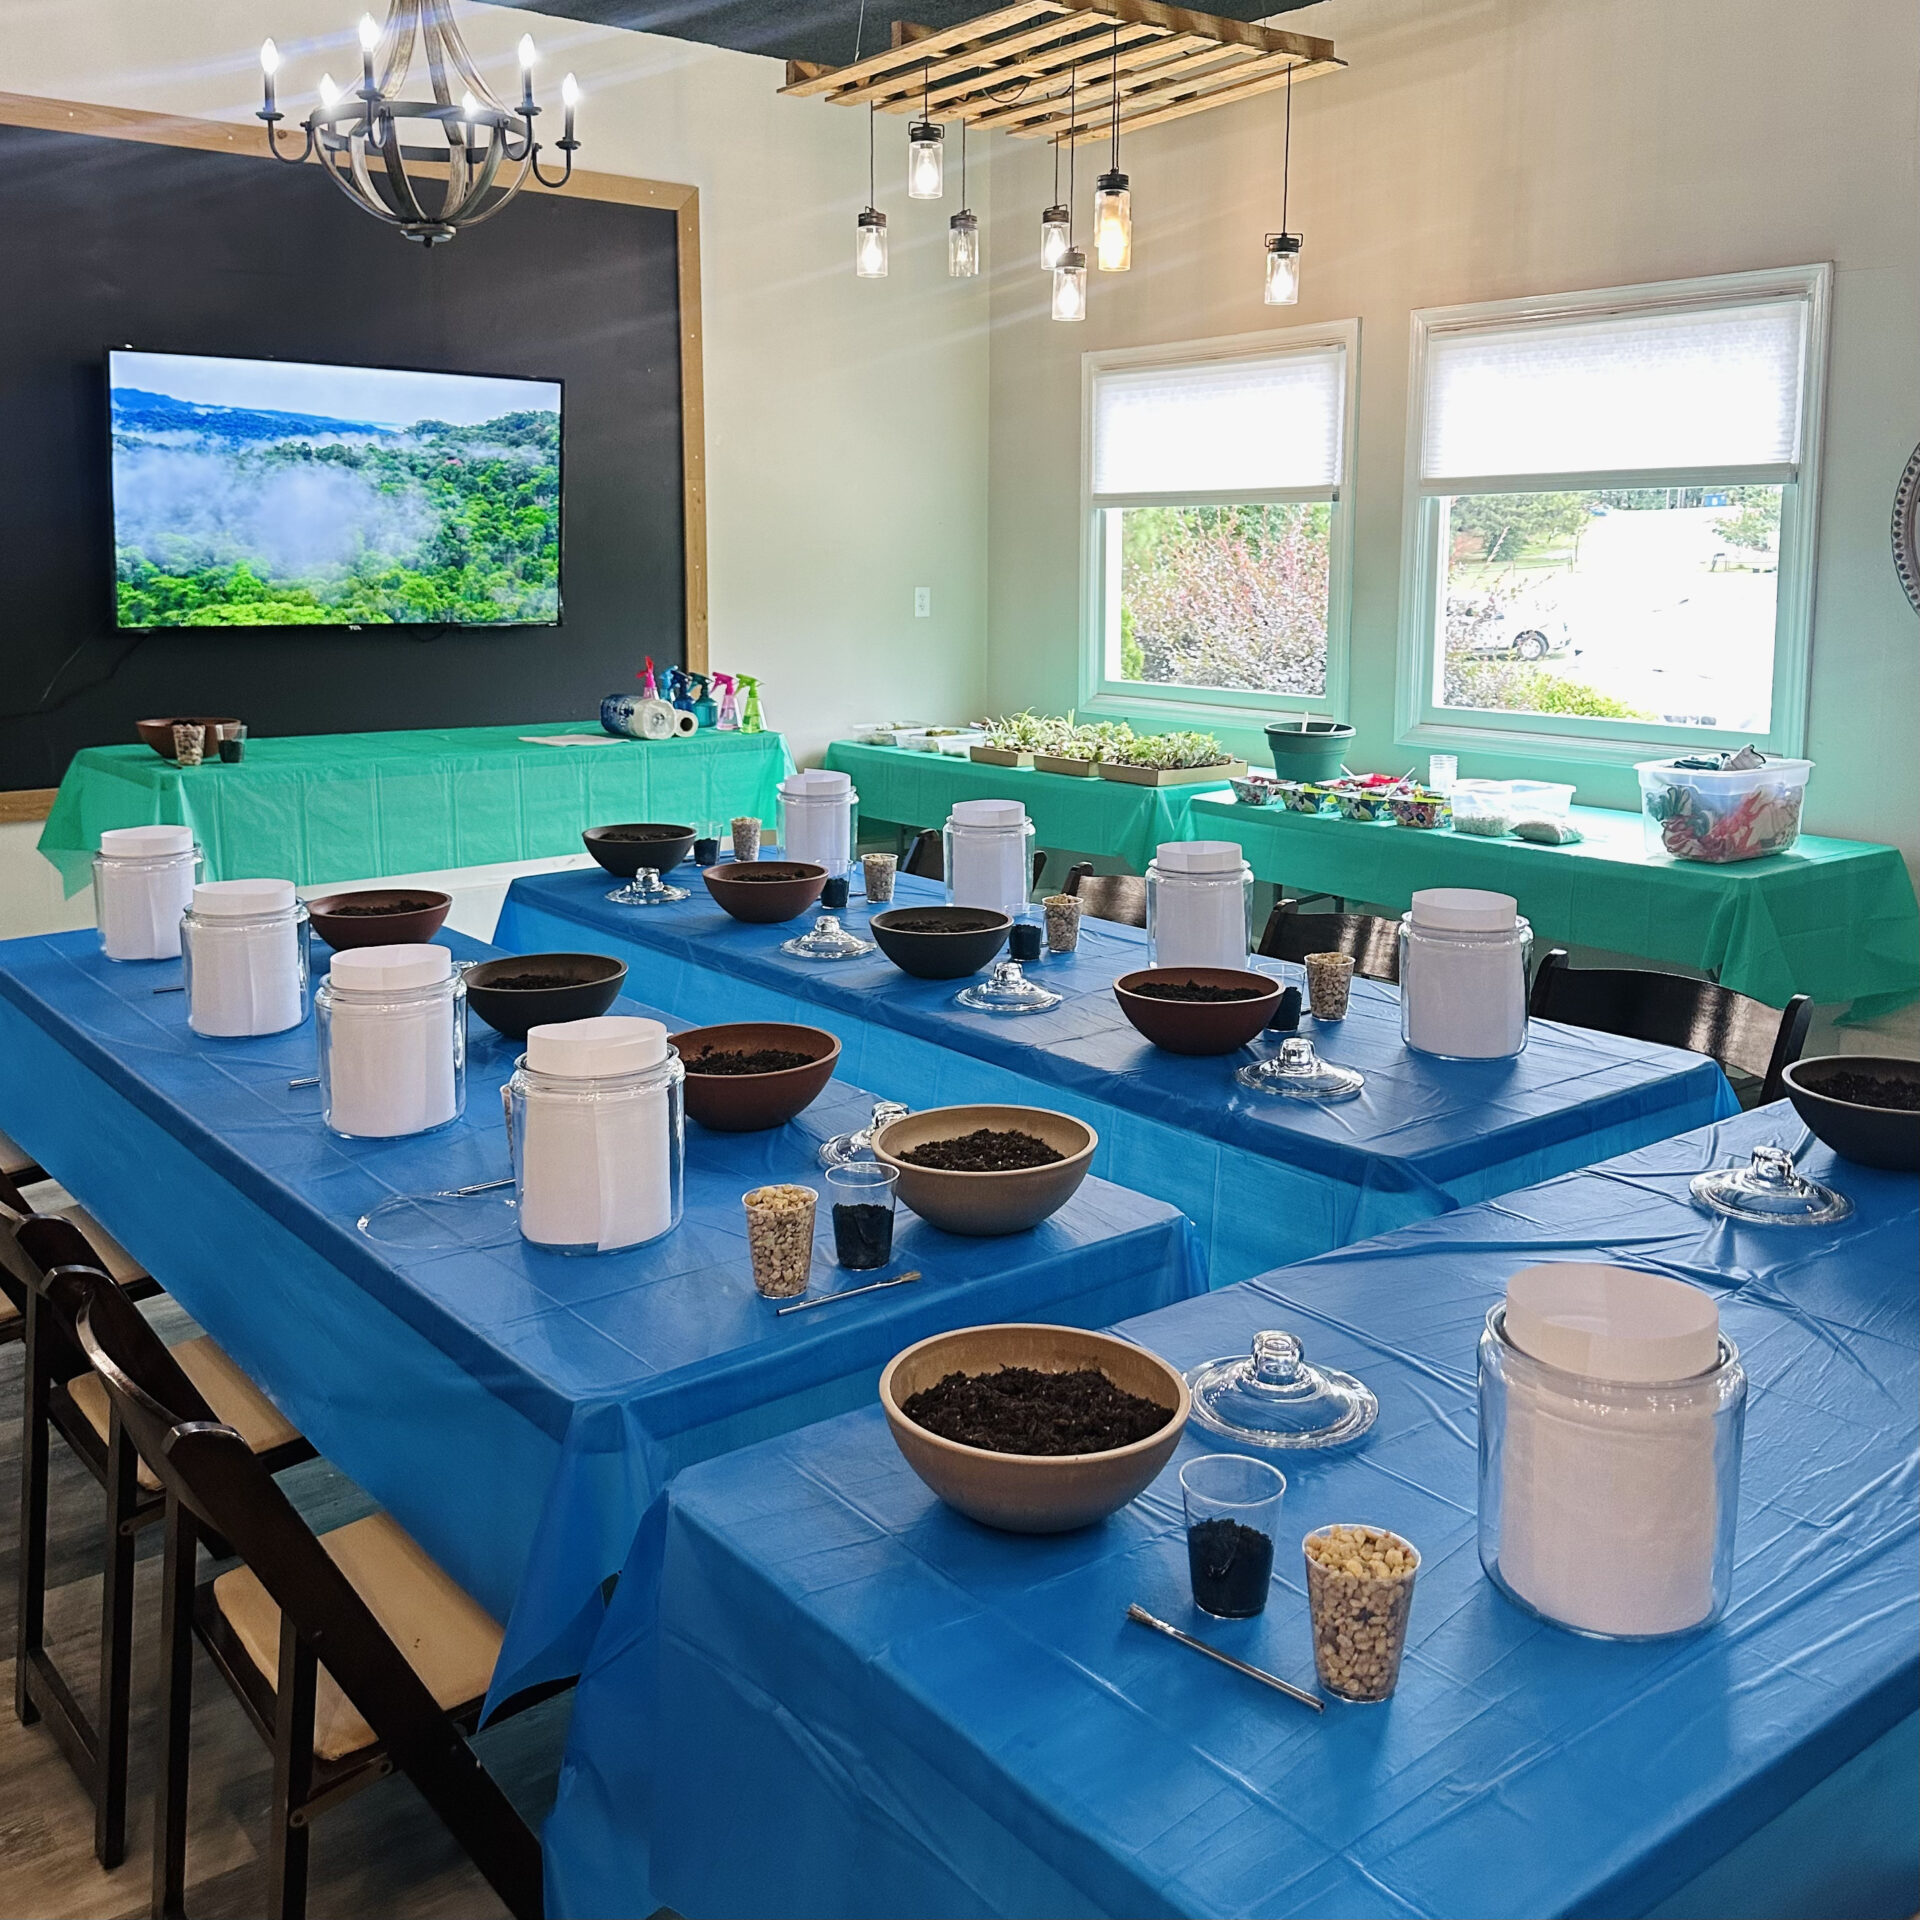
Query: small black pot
1317, 753
1872, 1136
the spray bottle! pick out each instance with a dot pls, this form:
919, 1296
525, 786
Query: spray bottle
729, 717
704, 710
750, 719
649, 688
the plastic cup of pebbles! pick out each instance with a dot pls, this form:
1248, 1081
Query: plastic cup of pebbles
1359, 1592
1063, 922
780, 1239
746, 837
878, 870
1329, 983
189, 744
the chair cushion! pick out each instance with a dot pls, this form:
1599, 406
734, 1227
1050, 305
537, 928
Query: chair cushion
50, 1198
447, 1638
14, 1158
228, 1391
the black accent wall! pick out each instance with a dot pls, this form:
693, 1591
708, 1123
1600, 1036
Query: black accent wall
122, 243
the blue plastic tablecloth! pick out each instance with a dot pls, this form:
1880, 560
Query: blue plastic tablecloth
911, 1714
516, 1409
1266, 1180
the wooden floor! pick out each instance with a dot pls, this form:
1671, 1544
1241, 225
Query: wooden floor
382, 1853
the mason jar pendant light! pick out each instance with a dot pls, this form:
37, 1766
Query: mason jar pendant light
1112, 202
1070, 276
1056, 224
963, 230
926, 179
870, 230
1283, 248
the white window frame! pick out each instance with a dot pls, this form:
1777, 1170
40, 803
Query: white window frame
1423, 722
1102, 693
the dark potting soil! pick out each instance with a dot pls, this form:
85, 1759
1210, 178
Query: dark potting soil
1194, 990
985, 1151
1021, 1410
622, 835
1870, 1090
757, 870
936, 923
760, 1060
370, 910
863, 1234
1231, 1566
531, 982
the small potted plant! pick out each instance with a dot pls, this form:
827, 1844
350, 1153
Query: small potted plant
1014, 741
1172, 760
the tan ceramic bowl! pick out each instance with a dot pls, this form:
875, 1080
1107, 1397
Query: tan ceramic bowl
985, 1204
1026, 1492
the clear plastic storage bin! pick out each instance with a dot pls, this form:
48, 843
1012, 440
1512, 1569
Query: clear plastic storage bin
1744, 813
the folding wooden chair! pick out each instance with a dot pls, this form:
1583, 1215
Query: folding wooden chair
1120, 897
1373, 941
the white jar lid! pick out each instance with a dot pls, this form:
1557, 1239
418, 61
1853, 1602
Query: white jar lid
1198, 856
1613, 1323
817, 783
989, 813
360, 969
143, 843
229, 899
1465, 910
598, 1049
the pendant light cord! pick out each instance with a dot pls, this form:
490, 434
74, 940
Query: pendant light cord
1114, 82
1286, 152
1073, 127
859, 34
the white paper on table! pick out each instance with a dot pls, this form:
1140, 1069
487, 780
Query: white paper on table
572, 739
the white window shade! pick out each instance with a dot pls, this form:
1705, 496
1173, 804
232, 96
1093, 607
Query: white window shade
1635, 393
1243, 426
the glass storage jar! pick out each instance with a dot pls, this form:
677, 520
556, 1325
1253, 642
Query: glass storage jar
1463, 974
244, 945
818, 812
597, 1130
143, 881
391, 1024
1199, 903
1608, 1506
987, 846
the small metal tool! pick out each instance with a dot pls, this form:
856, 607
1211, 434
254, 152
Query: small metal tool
827, 1299
1141, 1617
312, 1080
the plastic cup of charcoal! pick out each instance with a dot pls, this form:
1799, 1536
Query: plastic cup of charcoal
864, 1195
1233, 1513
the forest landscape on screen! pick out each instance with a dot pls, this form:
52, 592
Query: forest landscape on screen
265, 493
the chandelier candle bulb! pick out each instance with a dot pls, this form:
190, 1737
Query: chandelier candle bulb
1199, 897
596, 1124
817, 819
244, 943
1463, 974
143, 881
988, 846
392, 1029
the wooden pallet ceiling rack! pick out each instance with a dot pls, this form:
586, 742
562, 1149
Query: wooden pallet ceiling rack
1008, 71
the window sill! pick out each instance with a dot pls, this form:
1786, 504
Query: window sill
1529, 743
1216, 710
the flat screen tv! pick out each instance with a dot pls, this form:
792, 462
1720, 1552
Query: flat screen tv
273, 493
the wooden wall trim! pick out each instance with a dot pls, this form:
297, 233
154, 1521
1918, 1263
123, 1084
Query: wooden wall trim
671, 196
20, 806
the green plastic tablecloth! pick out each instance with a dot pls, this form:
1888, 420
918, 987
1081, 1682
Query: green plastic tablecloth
1834, 919
1075, 814
352, 806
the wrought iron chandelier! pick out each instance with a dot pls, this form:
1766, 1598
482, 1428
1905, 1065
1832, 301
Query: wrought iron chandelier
473, 154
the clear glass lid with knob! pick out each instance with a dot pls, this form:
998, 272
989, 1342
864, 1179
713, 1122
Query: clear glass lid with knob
846, 1149
1007, 989
827, 939
1273, 1397
1770, 1191
1298, 1073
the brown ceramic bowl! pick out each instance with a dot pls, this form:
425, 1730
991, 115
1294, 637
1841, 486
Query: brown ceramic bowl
380, 917
940, 943
985, 1204
587, 985
1027, 1492
1197, 1026
764, 891
158, 734
753, 1102
624, 849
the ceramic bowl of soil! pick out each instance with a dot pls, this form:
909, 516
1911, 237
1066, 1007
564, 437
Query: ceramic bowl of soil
987, 1170
380, 917
1197, 1009
940, 943
158, 734
764, 891
1865, 1106
541, 989
1034, 1429
754, 1074
623, 850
